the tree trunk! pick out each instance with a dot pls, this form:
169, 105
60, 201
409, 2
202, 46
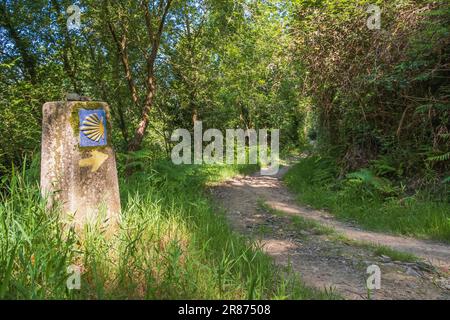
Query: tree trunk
136, 142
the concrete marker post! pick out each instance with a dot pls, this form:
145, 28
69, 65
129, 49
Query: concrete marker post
78, 165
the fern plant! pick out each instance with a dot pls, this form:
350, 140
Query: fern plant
368, 179
440, 157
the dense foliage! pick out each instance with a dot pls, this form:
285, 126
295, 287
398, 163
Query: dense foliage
379, 96
311, 68
222, 62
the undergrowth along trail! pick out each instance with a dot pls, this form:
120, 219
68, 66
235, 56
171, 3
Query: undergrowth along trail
171, 244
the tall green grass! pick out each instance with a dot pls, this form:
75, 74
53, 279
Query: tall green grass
370, 201
171, 244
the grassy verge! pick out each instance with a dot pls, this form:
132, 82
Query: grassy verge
172, 244
395, 255
378, 250
368, 201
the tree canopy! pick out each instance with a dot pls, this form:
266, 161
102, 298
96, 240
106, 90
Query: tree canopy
309, 68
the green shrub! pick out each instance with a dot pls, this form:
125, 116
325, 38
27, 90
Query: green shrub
372, 202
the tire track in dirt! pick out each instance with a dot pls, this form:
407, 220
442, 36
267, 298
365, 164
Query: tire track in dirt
321, 260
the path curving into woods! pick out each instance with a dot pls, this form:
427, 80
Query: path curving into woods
261, 207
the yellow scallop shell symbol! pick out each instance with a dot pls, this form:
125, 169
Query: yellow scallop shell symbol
93, 127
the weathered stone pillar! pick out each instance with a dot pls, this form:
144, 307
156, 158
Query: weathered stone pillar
78, 166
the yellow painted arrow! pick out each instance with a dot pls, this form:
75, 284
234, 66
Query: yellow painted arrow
95, 160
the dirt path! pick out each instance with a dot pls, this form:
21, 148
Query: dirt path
323, 259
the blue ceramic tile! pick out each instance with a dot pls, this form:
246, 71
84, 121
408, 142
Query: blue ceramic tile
93, 129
